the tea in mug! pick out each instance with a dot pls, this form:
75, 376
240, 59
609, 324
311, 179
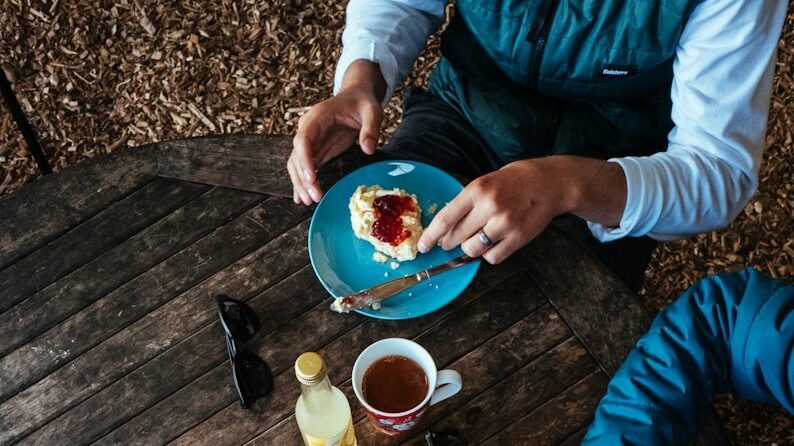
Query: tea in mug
394, 384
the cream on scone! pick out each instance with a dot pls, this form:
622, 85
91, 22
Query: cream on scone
389, 219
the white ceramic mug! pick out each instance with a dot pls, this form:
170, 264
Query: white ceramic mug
440, 384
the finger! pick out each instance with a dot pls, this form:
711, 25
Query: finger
304, 166
466, 227
371, 118
494, 230
444, 221
294, 180
497, 253
295, 197
513, 240
307, 145
298, 185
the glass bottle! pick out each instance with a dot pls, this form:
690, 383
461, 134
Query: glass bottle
322, 411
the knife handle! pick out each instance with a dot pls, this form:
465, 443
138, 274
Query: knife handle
452, 264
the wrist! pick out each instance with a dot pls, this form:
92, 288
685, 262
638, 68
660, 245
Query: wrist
364, 77
564, 184
592, 189
572, 184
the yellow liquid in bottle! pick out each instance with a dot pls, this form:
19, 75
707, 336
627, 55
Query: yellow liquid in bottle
323, 416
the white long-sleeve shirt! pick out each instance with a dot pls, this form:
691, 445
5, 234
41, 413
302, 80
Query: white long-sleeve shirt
722, 84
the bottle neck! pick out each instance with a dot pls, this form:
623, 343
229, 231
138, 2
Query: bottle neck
318, 396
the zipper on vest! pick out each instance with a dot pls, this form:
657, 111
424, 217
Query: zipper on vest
538, 37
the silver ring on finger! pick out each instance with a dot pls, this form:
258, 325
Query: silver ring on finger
484, 238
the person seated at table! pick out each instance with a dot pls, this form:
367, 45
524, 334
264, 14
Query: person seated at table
728, 333
636, 121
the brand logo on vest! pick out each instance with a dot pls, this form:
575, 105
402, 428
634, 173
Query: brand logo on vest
613, 71
609, 72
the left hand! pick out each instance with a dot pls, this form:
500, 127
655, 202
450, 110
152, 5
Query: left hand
512, 206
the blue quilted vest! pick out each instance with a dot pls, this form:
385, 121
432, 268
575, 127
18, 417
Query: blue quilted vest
583, 77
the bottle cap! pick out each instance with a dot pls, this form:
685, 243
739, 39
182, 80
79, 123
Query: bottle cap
310, 368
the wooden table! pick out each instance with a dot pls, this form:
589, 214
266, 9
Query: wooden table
109, 331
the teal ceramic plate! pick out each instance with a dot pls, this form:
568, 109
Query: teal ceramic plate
344, 264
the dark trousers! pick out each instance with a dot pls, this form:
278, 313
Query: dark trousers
434, 133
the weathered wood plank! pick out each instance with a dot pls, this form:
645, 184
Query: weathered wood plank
482, 367
485, 317
501, 402
189, 358
250, 162
92, 237
575, 439
134, 299
600, 309
45, 208
125, 261
558, 418
597, 306
311, 331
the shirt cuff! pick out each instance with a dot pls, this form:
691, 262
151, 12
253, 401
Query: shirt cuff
640, 214
371, 50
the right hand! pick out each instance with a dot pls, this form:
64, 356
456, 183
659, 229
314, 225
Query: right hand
325, 131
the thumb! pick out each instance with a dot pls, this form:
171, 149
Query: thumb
371, 118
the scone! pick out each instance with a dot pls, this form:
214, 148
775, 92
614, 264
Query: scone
390, 219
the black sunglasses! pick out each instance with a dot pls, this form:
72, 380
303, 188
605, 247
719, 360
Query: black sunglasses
252, 376
444, 438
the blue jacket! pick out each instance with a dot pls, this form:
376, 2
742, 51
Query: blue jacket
728, 333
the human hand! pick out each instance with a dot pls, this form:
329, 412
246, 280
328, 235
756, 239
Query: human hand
332, 126
512, 206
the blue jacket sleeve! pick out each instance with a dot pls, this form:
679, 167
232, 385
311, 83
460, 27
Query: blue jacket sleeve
732, 332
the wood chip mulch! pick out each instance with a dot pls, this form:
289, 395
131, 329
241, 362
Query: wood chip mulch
97, 75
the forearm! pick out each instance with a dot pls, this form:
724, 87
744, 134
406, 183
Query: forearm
389, 33
594, 190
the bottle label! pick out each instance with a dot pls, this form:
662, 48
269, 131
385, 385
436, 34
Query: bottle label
346, 438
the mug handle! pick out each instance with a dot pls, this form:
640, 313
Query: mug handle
448, 383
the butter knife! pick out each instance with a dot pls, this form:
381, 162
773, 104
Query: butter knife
379, 293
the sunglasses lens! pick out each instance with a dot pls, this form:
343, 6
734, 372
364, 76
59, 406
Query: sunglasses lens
252, 377
237, 318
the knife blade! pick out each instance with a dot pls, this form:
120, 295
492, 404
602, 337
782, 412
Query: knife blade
385, 290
